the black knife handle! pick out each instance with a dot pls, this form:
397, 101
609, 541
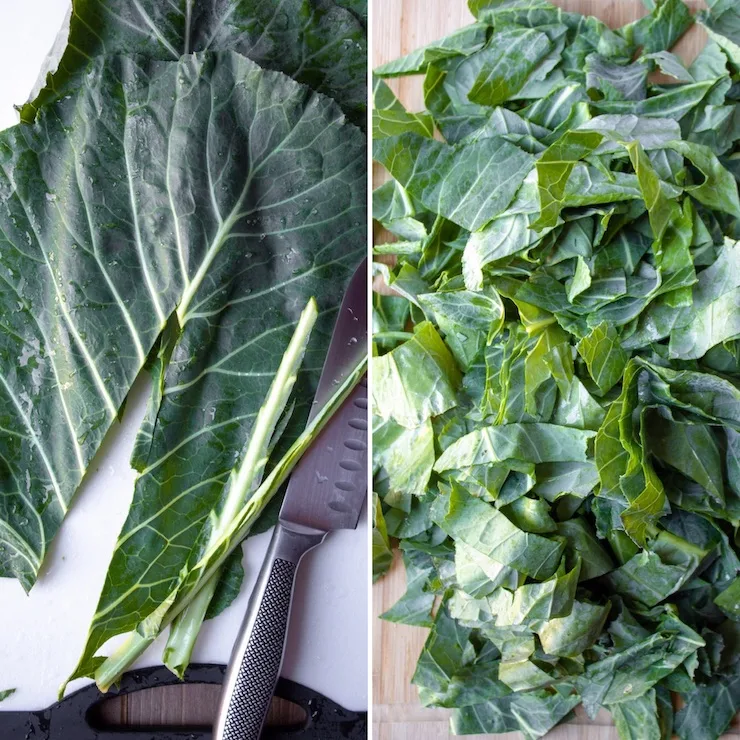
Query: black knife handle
258, 654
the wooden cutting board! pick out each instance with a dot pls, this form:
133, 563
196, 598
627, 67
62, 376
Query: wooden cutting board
400, 26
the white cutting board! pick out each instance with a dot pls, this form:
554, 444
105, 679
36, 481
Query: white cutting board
42, 635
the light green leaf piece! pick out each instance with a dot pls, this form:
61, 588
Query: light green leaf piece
662, 28
670, 64
534, 713
462, 42
638, 719
729, 600
500, 239
6, 693
716, 323
381, 546
415, 606
583, 544
478, 575
722, 22
503, 67
416, 380
653, 575
390, 118
713, 317
651, 133
446, 651
484, 528
537, 443
691, 449
468, 184
554, 170
528, 513
569, 635
522, 675
469, 320
558, 479
719, 189
550, 358
580, 281
536, 602
616, 81
403, 458
675, 103
392, 207
604, 356
578, 408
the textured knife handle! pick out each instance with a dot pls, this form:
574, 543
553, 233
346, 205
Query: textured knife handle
260, 666
258, 654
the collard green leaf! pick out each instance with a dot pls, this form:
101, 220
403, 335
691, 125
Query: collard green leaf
318, 42
479, 575
468, 319
390, 118
443, 652
393, 208
382, 554
661, 29
485, 529
533, 713
616, 81
403, 458
229, 585
582, 543
653, 575
692, 449
415, 606
119, 189
604, 356
415, 381
537, 443
571, 634
554, 169
460, 43
628, 674
729, 600
722, 21
638, 718
468, 184
504, 66
710, 708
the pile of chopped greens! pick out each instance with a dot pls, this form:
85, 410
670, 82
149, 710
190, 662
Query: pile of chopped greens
186, 194
556, 378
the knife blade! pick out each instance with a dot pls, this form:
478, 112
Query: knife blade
328, 486
325, 492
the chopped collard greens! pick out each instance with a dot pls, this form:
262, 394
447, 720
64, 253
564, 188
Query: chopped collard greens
557, 374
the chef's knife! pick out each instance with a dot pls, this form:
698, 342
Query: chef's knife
326, 492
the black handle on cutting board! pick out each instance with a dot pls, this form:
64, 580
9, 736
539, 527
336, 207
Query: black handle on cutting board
70, 719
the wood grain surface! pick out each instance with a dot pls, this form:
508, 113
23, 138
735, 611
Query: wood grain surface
400, 26
190, 707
